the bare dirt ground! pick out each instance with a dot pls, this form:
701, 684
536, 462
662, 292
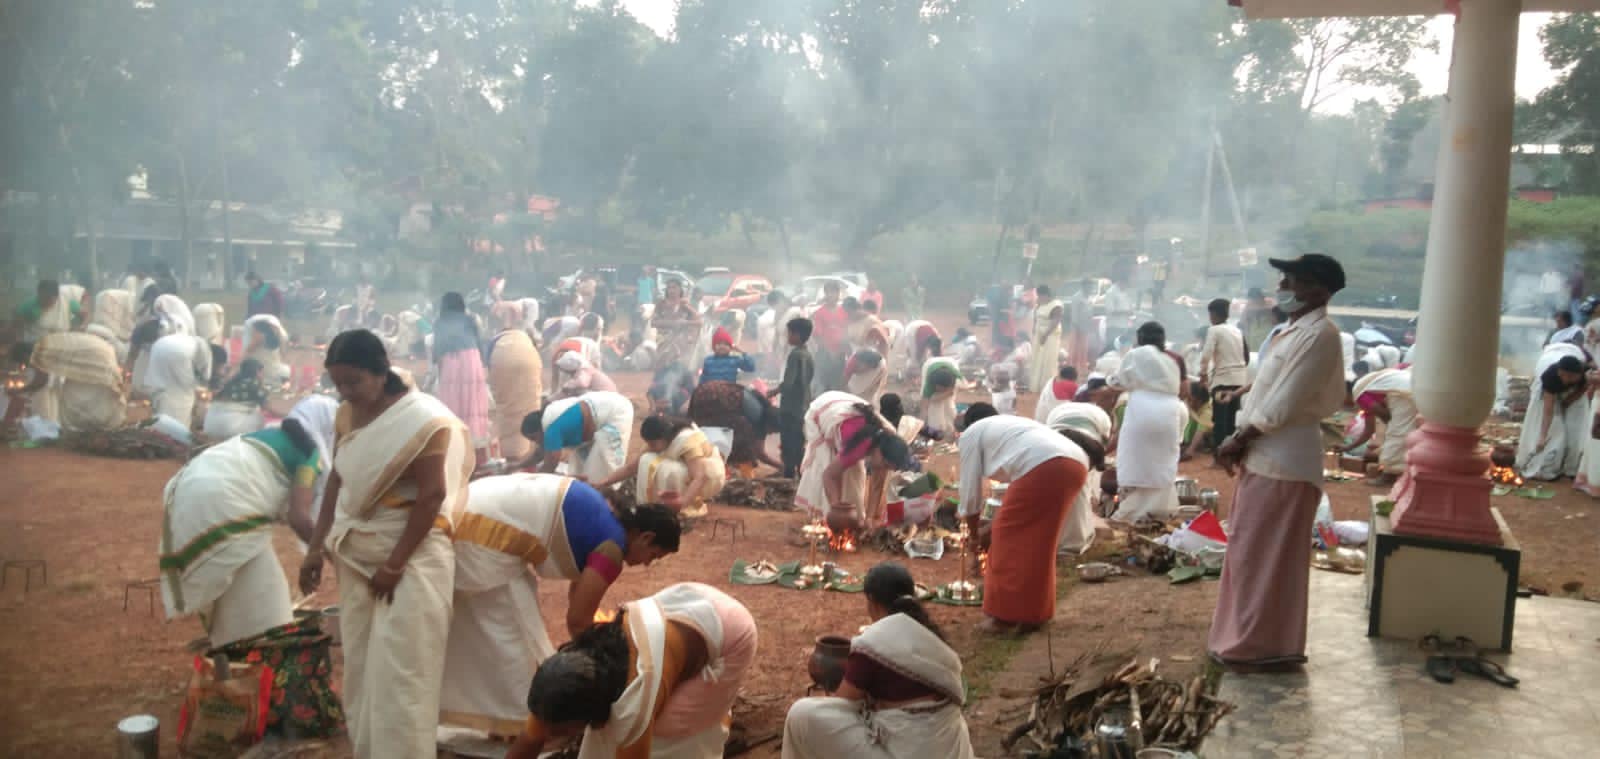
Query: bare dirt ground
73, 661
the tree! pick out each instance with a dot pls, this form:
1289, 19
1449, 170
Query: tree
1571, 106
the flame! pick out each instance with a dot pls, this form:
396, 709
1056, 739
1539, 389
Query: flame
602, 616
1505, 475
983, 562
842, 542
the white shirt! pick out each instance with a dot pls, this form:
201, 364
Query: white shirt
1006, 448
1300, 382
1222, 359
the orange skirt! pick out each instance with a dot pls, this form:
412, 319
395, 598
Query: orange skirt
1020, 583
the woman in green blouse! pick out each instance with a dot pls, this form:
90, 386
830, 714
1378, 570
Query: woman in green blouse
216, 540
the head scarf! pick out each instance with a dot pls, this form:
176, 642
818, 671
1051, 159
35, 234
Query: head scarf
175, 316
571, 361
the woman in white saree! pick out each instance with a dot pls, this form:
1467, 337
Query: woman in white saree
518, 531
210, 323
1152, 429
902, 691
216, 539
1078, 532
591, 431
1557, 422
843, 436
658, 681
401, 464
866, 375
77, 382
679, 468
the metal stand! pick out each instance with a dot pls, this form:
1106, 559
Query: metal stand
962, 589
815, 532
735, 526
27, 566
150, 587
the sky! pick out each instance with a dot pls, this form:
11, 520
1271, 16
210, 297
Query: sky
1432, 69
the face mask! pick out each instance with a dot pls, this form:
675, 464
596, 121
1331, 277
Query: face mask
1288, 302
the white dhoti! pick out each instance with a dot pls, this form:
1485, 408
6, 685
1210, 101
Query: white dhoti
216, 542
657, 475
228, 419
829, 728
391, 696
824, 443
497, 641
1147, 455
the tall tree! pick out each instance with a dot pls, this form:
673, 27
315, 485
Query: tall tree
1571, 106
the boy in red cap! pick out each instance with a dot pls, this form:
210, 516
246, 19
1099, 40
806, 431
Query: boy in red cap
725, 362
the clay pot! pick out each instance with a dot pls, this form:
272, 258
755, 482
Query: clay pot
1503, 455
826, 666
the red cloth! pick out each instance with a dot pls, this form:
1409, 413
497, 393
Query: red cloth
1020, 582
883, 683
830, 325
721, 337
847, 431
1064, 389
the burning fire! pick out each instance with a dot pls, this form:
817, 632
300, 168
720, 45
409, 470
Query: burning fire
842, 542
602, 616
1505, 475
983, 562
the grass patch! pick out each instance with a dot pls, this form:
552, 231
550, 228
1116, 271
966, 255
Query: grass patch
993, 655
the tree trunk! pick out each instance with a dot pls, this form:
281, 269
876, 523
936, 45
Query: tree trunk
227, 227
749, 239
999, 243
185, 230
788, 253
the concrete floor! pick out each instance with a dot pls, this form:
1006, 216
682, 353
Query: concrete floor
1365, 697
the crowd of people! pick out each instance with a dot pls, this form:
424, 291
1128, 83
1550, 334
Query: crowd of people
442, 501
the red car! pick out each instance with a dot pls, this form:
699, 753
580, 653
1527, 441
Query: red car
725, 291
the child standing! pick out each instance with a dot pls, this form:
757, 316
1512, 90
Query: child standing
794, 396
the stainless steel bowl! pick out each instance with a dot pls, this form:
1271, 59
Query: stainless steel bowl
1188, 491
1209, 499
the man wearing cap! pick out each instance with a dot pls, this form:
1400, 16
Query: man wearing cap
1260, 620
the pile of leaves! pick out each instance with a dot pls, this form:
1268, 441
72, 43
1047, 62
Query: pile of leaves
1166, 713
767, 493
125, 443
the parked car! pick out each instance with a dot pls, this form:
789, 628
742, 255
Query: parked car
741, 291
978, 311
858, 278
811, 287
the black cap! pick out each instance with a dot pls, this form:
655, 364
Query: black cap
1315, 267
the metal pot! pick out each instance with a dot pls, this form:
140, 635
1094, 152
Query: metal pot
826, 665
1209, 499
139, 737
1188, 491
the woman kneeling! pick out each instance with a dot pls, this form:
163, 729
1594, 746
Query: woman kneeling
902, 690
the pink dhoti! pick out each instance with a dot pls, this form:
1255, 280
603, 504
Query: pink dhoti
1261, 606
464, 388
703, 703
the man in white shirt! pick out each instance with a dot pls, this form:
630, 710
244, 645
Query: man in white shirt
1046, 470
1260, 620
1224, 367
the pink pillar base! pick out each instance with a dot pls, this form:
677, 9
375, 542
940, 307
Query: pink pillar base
1444, 493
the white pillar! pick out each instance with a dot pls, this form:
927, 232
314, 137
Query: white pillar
1458, 331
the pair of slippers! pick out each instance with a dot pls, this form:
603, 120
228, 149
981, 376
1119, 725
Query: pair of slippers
1445, 660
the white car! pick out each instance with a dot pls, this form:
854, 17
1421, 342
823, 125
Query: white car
811, 287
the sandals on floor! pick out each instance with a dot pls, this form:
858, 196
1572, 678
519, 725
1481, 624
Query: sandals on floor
1441, 668
1488, 670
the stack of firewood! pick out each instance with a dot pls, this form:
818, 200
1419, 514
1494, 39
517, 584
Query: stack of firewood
1165, 713
768, 493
